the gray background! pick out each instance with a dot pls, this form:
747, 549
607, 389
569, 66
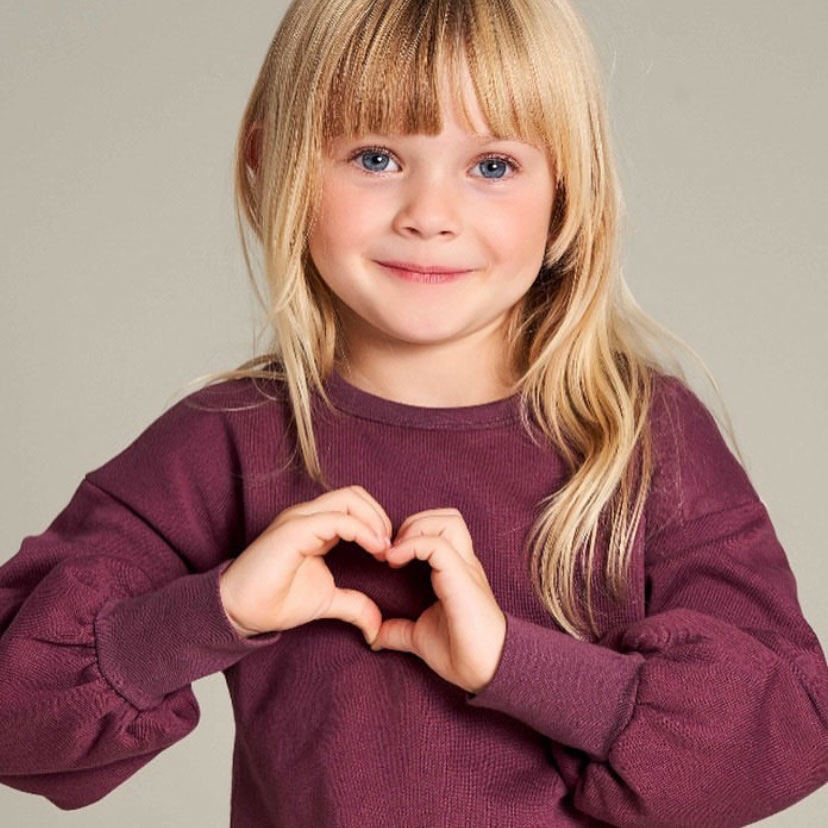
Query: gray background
122, 276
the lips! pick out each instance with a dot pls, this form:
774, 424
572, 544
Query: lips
425, 269
426, 278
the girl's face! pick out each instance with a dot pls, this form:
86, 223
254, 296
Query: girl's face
439, 200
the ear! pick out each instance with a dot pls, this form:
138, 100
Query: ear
253, 146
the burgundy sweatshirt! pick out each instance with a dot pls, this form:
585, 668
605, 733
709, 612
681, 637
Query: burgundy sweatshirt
705, 702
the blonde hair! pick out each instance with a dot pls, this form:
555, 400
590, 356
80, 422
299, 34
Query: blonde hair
576, 340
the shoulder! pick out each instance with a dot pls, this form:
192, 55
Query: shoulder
229, 402
695, 472
203, 439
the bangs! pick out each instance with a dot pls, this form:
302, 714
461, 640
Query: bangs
387, 76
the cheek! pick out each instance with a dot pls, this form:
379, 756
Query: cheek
521, 231
345, 217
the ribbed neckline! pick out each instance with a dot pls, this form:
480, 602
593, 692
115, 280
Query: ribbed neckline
353, 400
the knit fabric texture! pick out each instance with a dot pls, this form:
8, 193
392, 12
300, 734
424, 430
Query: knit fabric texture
704, 702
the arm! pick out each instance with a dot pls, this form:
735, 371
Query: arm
713, 709
108, 616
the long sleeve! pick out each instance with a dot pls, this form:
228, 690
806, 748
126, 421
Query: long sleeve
713, 709
109, 615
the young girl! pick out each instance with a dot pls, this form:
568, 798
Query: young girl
459, 444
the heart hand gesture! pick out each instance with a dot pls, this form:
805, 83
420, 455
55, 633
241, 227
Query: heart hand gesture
281, 581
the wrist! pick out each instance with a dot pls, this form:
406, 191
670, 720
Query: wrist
224, 593
241, 631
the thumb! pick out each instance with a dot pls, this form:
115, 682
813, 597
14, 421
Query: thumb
356, 608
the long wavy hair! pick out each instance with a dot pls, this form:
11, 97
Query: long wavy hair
577, 340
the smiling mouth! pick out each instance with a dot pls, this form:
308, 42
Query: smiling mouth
427, 278
400, 265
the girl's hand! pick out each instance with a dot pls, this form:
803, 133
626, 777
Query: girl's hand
461, 635
281, 580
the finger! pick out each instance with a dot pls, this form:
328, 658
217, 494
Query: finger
356, 608
418, 516
396, 634
350, 501
438, 552
387, 528
453, 531
334, 526
455, 584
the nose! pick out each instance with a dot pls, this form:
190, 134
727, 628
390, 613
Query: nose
429, 208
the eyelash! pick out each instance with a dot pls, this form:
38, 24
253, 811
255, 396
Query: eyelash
384, 151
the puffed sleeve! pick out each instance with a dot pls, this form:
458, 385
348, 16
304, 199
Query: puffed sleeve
712, 710
110, 614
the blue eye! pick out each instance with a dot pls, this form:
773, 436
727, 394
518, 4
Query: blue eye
494, 159
375, 153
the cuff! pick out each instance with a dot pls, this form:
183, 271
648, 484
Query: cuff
153, 644
574, 692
